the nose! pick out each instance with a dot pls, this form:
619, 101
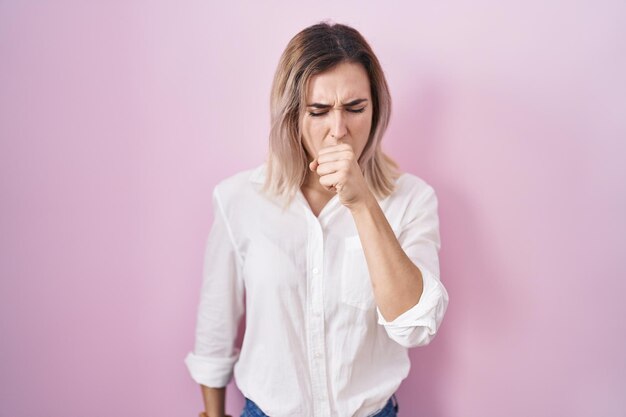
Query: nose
338, 129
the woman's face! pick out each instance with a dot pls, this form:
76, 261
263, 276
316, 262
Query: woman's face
338, 106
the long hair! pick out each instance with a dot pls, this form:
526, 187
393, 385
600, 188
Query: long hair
312, 51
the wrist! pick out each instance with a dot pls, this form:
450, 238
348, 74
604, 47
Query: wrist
364, 205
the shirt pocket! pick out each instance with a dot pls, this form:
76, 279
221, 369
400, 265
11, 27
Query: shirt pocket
356, 286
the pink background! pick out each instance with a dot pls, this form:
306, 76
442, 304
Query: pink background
117, 118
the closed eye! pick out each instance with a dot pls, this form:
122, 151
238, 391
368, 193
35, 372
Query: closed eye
361, 110
318, 114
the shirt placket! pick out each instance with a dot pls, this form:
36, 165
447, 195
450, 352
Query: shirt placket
315, 317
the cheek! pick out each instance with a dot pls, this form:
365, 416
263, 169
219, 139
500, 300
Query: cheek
364, 129
364, 125
309, 138
315, 127
312, 132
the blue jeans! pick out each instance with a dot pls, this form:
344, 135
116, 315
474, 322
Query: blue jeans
389, 410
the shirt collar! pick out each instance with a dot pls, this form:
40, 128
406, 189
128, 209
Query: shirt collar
258, 176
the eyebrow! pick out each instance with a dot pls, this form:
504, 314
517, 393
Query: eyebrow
326, 106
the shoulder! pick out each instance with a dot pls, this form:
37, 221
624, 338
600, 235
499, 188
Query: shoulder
238, 188
412, 187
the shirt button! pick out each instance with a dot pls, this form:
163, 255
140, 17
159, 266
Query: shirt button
316, 271
318, 355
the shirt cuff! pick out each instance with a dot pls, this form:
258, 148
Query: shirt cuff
211, 372
417, 325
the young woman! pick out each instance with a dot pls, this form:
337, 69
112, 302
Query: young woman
335, 251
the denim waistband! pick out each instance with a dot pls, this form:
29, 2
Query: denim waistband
389, 410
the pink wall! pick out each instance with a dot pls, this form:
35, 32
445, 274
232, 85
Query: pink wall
117, 119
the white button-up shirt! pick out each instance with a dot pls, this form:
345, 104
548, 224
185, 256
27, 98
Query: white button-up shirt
315, 342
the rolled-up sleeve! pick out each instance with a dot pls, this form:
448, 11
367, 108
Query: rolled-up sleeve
421, 242
220, 308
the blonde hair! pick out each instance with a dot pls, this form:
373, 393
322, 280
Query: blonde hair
314, 50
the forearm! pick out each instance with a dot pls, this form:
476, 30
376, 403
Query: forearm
397, 282
214, 401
